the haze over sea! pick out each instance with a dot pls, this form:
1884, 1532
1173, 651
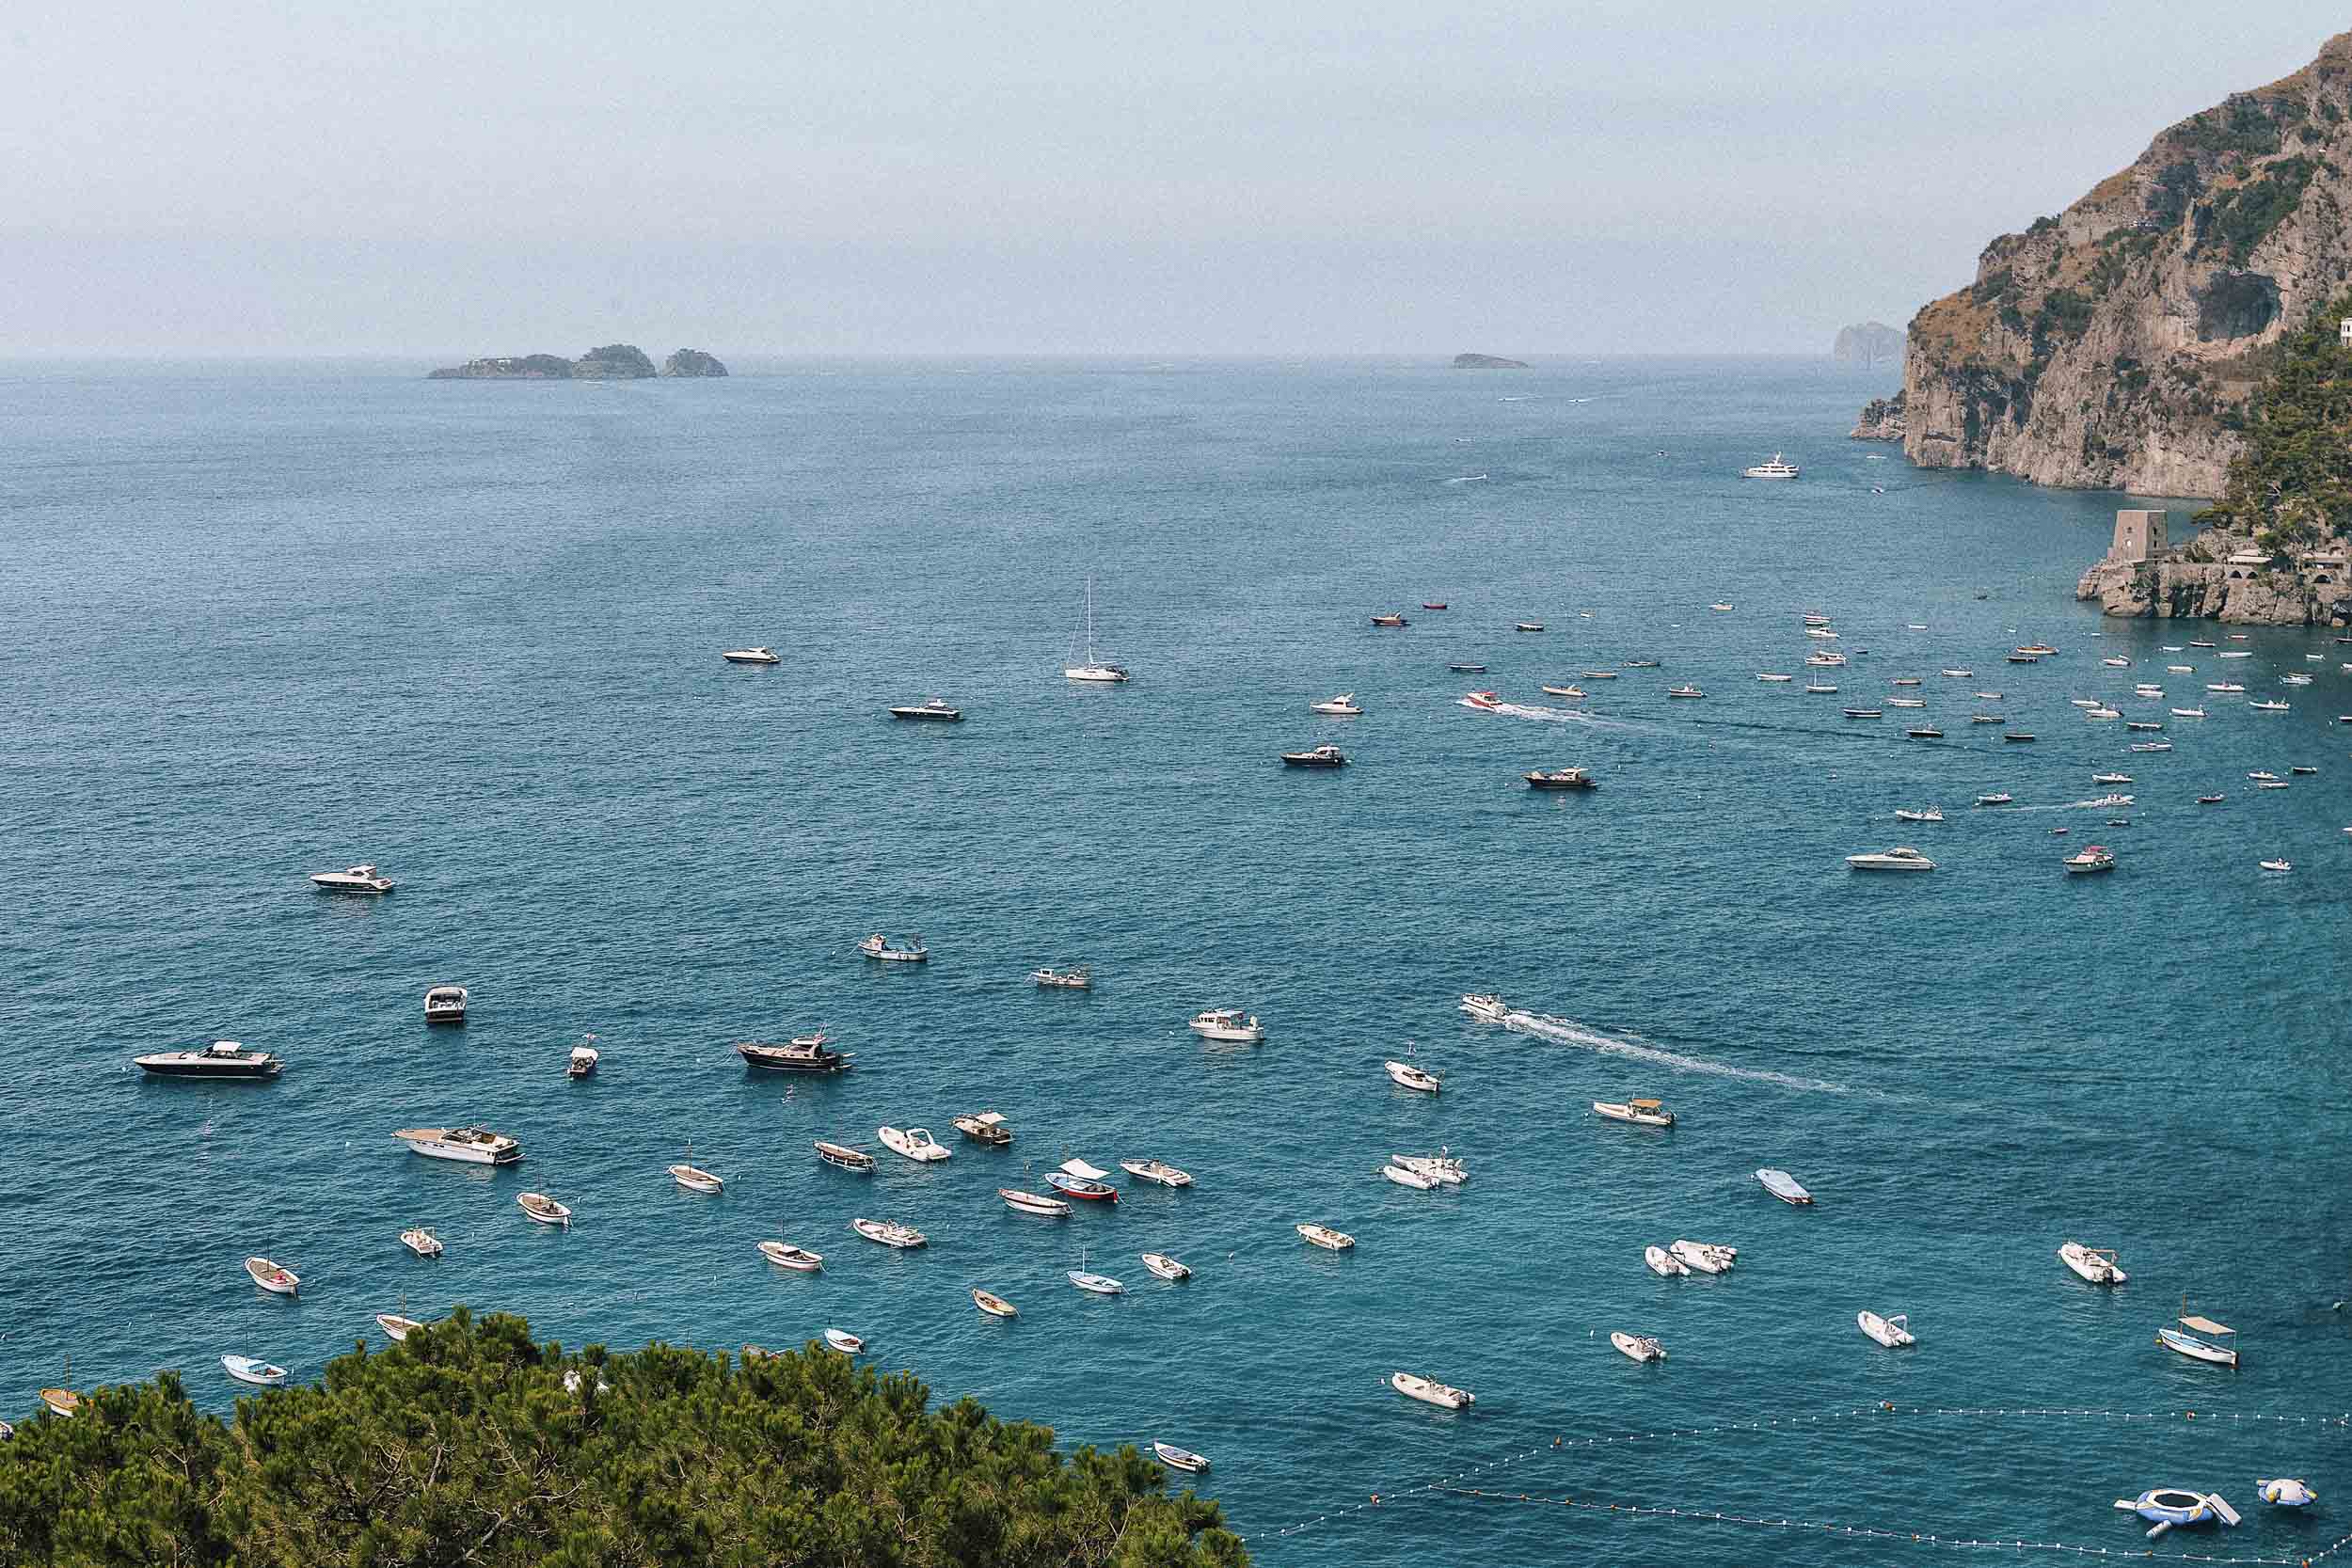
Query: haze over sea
264, 620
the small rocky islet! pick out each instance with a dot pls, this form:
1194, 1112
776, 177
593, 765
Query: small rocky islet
613, 362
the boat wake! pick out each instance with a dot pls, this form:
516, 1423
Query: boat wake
1561, 1032
1466, 478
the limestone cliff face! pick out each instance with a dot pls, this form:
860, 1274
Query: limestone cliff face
2112, 347
1883, 419
2225, 576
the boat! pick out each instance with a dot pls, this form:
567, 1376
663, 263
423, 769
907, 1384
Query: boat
696, 1179
584, 1060
890, 1233
915, 1143
1390, 621
1097, 670
909, 950
2285, 1492
1033, 1203
2117, 663
544, 1210
1404, 1178
1858, 712
2188, 713
2226, 688
2302, 770
1640, 1347
2020, 735
1467, 669
2281, 864
421, 1241
2092, 857
1665, 1264
61, 1403
2102, 714
2095, 1264
987, 1126
1988, 719
1825, 661
1080, 978
845, 1157
2261, 775
1706, 1257
1901, 859
1179, 1459
1441, 1168
1924, 731
1157, 1171
1166, 1267
2268, 707
2236, 654
1998, 798
992, 1304
1325, 1238
1341, 706
1776, 469
843, 1340
445, 1004
1576, 691
784, 1254
1409, 1076
1093, 1284
935, 711
2202, 643
222, 1059
1228, 1023
1906, 813
2037, 649
1906, 702
396, 1328
356, 878
476, 1146
1560, 778
2023, 658
1326, 755
2201, 1340
252, 1369
1430, 1391
1783, 1186
1684, 692
1906, 680
1086, 1189
1774, 679
749, 655
2211, 799
1642, 1113
1426, 604
1484, 701
802, 1054
2170, 1506
1527, 625
1487, 1007
2110, 778
276, 1279
2149, 748
1822, 633
2112, 800
1598, 676
1894, 1333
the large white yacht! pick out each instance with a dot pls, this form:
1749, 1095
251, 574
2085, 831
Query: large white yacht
355, 878
1891, 860
1228, 1023
476, 1146
221, 1059
1776, 469
1091, 668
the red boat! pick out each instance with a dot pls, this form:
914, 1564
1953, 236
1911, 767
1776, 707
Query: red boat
1081, 1187
1390, 621
1426, 605
1486, 701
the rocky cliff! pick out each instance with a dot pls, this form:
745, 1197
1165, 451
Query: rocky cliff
2115, 345
2226, 576
692, 361
1487, 362
1883, 419
1867, 344
613, 362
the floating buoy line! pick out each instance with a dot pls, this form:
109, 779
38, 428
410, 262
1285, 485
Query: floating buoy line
1457, 1484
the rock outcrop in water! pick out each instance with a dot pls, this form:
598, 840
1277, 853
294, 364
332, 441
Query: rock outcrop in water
2115, 345
1882, 421
1487, 362
1867, 344
2225, 576
692, 361
613, 362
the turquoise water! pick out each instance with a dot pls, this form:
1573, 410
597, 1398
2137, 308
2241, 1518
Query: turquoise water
264, 621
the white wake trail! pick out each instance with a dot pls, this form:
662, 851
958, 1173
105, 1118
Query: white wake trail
1561, 1031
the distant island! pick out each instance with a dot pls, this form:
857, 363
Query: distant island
1868, 343
1487, 362
613, 362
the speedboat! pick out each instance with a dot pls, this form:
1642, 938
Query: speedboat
2281, 864
1998, 798
1179, 1459
1325, 1238
908, 951
784, 1254
915, 1143
356, 878
2102, 713
1080, 978
1390, 621
2188, 713
1158, 1171
1430, 1391
1527, 625
274, 1279
1776, 469
396, 1328
1033, 1203
803, 1054
1559, 778
1086, 1189
2226, 688
1166, 1267
2110, 778
1706, 1257
1441, 1168
1665, 1264
992, 1304
1404, 1178
421, 1241
2236, 653
2095, 1264
445, 1004
1485, 1008
936, 711
1894, 1333
2092, 857
221, 1059
890, 1233
1640, 1347
1783, 1186
696, 1179
1642, 1113
2285, 1492
1684, 692
252, 1369
1484, 701
751, 655
2268, 707
544, 1210
476, 1146
583, 1061
843, 1340
1900, 859
1341, 706
1228, 1023
2167, 1507
845, 1157
2112, 800
2201, 1340
1550, 691
1326, 755
1907, 814
1821, 632
1774, 679
988, 1127
1409, 1076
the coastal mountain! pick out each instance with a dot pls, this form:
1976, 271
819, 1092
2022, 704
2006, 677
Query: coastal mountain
1487, 362
613, 362
1867, 343
2116, 344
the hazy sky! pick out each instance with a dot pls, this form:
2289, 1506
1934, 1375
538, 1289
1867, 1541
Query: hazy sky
1209, 176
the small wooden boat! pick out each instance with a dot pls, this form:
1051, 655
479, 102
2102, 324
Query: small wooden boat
1430, 1391
1409, 1076
986, 1127
1080, 978
991, 1303
2281, 864
844, 1341
1179, 1459
1427, 604
276, 1279
845, 1157
1642, 1113
890, 1233
61, 1403
1665, 1264
1158, 1171
1640, 1347
1684, 692
696, 1179
2211, 799
784, 1254
1034, 1203
396, 1327
1783, 1186
2201, 1340
1078, 1180
802, 1054
421, 1241
1706, 1257
1325, 1238
1894, 1333
252, 1369
1166, 1267
544, 1210
445, 1004
2095, 1264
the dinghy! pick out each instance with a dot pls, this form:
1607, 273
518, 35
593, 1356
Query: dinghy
1706, 1257
1642, 1113
277, 1281
1783, 1186
1894, 1333
2167, 1506
545, 1209
844, 1341
252, 1369
991, 1303
396, 1328
1409, 1076
2095, 1264
1665, 1264
1404, 1178
843, 1156
1166, 1267
695, 1179
1033, 1203
890, 1233
1640, 1347
1325, 1238
421, 1241
1179, 1459
1430, 1391
915, 1143
2286, 1492
784, 1254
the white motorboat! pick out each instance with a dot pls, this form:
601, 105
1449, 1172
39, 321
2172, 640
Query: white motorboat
1093, 668
1718, 607
992, 1304
1823, 632
915, 1143
1550, 690
421, 1241
1705, 1256
2285, 1492
1640, 1347
987, 1126
1430, 1391
1664, 1263
1079, 978
2168, 1506
1998, 798
276, 1279
2112, 800
843, 1157
1774, 680
938, 710
445, 1004
396, 1328
2103, 713
2235, 653
696, 1179
2226, 688
544, 1210
890, 1233
583, 1061
2092, 857
1894, 1333
1325, 1238
1409, 1076
1179, 1459
1783, 1186
1404, 1178
1906, 702
784, 1254
1487, 1009
1959, 674
2281, 864
2095, 1264
1901, 859
762, 654
356, 878
252, 1369
1527, 625
220, 1060
1685, 691
1341, 706
2268, 707
1642, 1113
1486, 701
1158, 1171
2117, 663
1824, 660
2110, 778
1093, 1284
1166, 1267
2201, 1340
1443, 1167
1080, 1181
1228, 1023
1928, 813
2261, 775
909, 950
1776, 469
843, 1340
2152, 746
2188, 713
1034, 1203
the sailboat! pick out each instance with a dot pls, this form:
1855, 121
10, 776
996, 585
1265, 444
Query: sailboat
1090, 667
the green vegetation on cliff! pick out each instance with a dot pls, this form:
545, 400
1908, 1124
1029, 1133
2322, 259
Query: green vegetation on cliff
2291, 484
470, 1443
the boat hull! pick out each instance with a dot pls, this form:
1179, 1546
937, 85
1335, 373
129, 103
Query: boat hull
1430, 1391
167, 1066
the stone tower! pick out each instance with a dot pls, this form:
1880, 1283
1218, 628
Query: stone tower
2138, 536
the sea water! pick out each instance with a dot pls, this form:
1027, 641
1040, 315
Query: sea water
257, 622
